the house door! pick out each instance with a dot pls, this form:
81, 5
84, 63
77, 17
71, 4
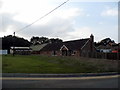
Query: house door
64, 52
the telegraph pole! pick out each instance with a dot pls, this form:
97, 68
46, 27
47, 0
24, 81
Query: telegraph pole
14, 44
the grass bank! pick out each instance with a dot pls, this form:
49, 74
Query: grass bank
55, 64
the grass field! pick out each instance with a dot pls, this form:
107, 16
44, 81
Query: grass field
55, 64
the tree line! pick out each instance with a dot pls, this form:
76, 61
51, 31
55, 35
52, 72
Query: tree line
10, 41
42, 40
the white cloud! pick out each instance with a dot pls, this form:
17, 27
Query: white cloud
101, 23
71, 12
0, 3
51, 29
27, 11
110, 12
87, 15
8, 31
79, 33
61, 23
17, 15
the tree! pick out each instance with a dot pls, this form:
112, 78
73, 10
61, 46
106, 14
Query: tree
39, 40
9, 41
42, 40
105, 42
57, 40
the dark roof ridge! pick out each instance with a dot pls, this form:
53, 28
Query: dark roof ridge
71, 45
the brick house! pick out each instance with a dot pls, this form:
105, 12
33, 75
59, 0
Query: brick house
81, 47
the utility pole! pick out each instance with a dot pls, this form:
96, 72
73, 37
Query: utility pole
14, 44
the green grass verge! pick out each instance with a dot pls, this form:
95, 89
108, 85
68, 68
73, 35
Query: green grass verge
55, 64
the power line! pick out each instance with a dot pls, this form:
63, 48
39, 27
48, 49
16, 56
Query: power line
42, 16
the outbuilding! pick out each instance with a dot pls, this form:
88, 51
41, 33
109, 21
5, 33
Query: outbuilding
21, 50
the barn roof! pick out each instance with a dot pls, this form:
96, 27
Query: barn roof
38, 47
71, 45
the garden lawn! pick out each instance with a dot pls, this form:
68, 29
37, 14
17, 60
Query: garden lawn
55, 64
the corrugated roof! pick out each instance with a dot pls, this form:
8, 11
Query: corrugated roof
37, 47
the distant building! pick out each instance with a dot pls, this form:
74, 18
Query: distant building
81, 47
36, 48
116, 48
109, 48
21, 50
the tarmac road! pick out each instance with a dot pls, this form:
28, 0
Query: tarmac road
61, 82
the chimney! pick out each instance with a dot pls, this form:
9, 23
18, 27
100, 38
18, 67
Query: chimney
92, 38
91, 42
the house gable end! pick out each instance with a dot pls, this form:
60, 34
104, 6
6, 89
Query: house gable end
85, 44
63, 47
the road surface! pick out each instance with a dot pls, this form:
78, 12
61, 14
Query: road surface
64, 82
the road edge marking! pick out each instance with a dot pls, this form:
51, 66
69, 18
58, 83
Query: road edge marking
58, 78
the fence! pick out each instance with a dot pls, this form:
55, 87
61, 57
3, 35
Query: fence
101, 55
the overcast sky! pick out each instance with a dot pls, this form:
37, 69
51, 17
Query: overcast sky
74, 20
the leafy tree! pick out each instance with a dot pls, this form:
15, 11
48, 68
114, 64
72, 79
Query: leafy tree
105, 42
39, 40
9, 41
57, 40
42, 40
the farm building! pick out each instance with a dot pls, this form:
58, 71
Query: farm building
81, 47
21, 50
36, 48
